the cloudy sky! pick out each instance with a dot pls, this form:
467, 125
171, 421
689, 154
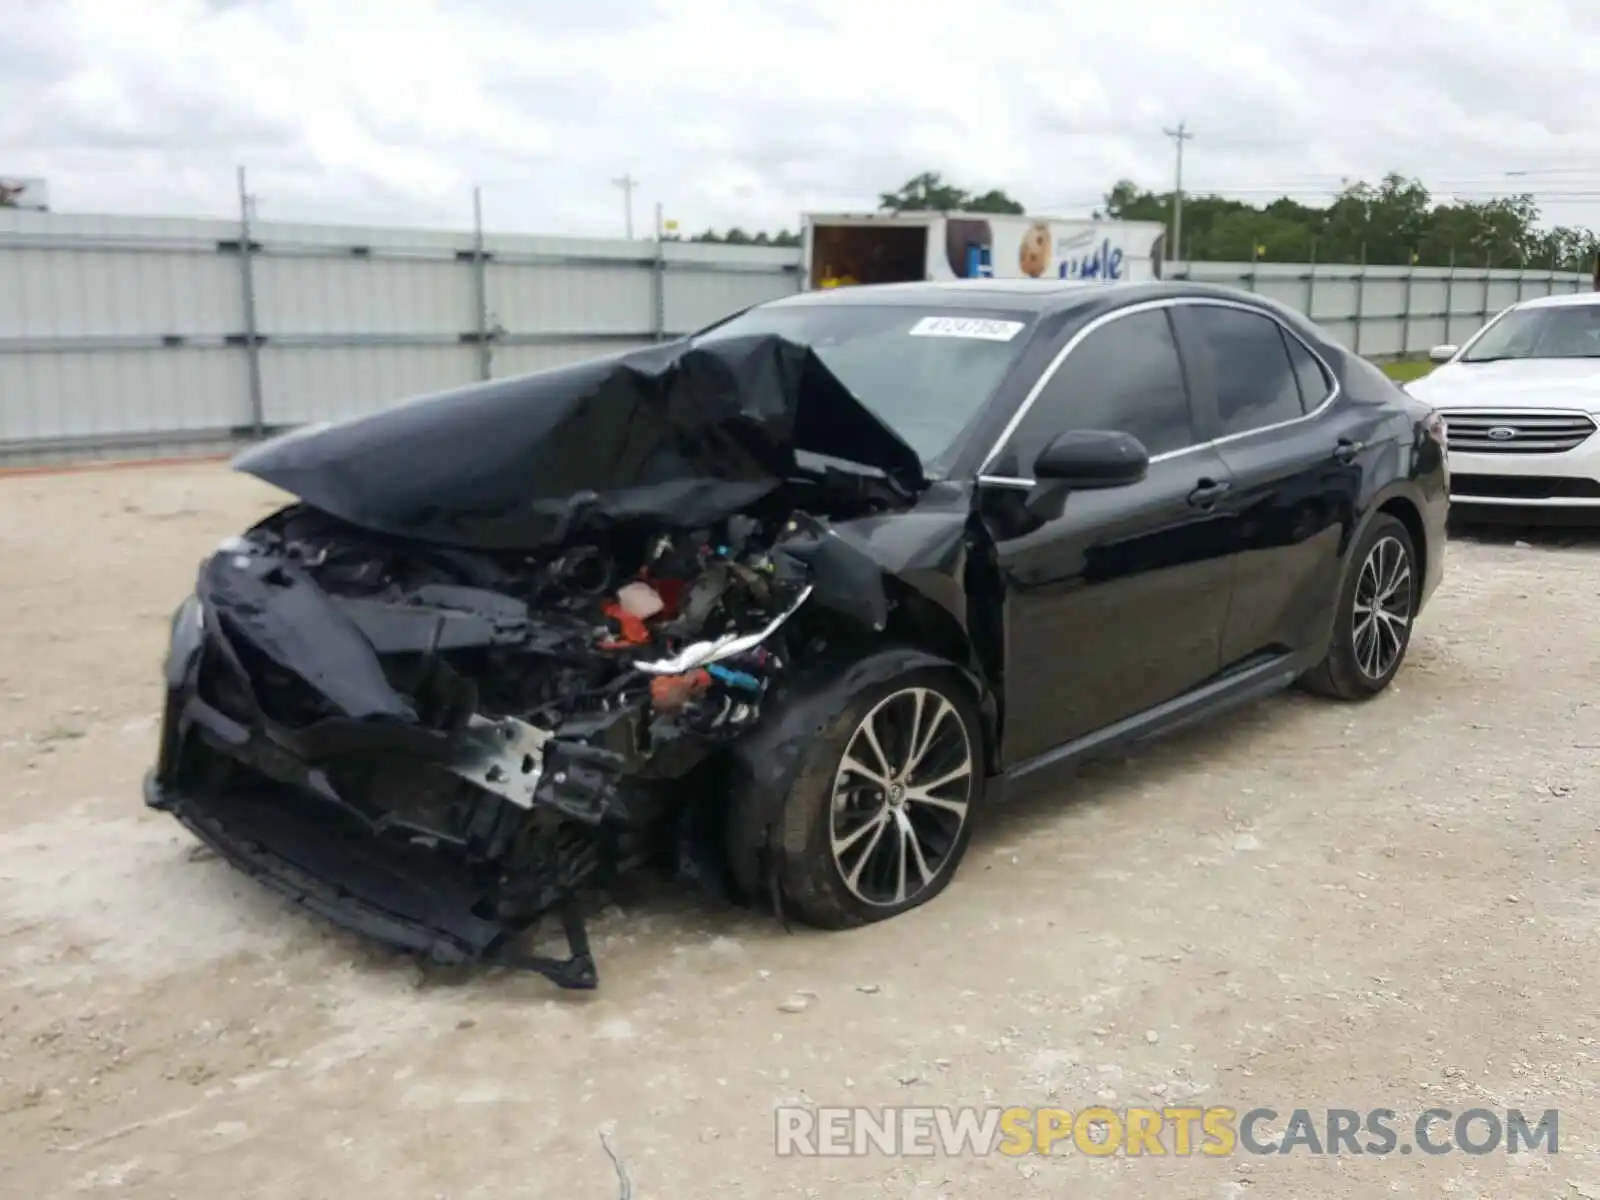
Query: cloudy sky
750, 112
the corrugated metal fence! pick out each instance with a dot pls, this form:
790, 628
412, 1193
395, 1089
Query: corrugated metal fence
145, 337
1389, 312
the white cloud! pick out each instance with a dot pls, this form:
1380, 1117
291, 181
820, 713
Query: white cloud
733, 112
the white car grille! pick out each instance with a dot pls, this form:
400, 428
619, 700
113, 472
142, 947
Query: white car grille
1474, 431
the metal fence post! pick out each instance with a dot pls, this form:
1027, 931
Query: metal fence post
1522, 278
1405, 314
1361, 298
1450, 296
247, 279
658, 275
480, 288
1311, 284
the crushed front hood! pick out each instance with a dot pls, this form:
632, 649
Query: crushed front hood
678, 435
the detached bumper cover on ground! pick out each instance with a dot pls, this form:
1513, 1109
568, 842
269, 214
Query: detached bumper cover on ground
472, 672
364, 892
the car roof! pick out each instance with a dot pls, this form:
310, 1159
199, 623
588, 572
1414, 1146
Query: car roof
1022, 295
1563, 300
1032, 294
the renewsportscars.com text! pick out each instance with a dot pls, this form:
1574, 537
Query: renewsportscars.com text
1176, 1131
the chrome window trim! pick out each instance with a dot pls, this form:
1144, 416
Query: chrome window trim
1145, 306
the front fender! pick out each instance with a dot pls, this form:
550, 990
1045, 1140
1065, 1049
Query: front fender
763, 766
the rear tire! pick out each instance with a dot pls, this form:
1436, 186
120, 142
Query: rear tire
1376, 607
882, 808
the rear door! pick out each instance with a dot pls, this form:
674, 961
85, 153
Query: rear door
1115, 600
1292, 452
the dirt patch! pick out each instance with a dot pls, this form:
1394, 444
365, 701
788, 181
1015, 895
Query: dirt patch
1308, 904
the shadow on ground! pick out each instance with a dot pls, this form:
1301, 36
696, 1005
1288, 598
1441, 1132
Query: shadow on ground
1566, 534
645, 905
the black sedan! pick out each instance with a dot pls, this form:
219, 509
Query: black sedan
783, 606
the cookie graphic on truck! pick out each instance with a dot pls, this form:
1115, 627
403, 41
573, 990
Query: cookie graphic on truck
1034, 254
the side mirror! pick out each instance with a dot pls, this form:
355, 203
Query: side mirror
1092, 458
1441, 354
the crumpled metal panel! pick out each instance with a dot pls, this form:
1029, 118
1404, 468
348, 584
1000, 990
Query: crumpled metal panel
677, 434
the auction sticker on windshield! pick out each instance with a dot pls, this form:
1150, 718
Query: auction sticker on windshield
983, 328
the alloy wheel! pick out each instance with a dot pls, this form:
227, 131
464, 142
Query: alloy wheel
901, 796
1382, 616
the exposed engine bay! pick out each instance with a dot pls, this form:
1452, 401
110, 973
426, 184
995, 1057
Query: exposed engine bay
441, 741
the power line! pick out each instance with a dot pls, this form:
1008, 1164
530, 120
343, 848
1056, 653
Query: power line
1514, 187
1491, 183
1566, 194
1336, 180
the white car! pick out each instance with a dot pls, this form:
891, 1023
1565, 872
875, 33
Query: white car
1521, 404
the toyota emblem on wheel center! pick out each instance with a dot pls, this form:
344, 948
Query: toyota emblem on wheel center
1502, 433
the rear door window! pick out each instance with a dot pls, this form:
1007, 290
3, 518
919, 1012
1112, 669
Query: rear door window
1315, 386
1255, 381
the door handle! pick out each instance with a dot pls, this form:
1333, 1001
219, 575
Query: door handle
1347, 449
1207, 492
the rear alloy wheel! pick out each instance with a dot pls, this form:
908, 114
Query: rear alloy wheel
1380, 623
879, 817
1376, 607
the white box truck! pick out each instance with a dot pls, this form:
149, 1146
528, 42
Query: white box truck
846, 248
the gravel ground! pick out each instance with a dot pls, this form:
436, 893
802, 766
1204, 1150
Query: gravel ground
1307, 904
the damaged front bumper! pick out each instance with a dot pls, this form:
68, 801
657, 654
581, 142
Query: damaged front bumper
370, 894
255, 793
324, 743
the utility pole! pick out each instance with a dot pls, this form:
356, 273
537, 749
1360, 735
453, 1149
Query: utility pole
1180, 135
658, 281
252, 339
627, 183
480, 287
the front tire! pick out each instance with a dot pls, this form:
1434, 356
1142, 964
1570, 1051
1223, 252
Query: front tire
881, 812
1376, 607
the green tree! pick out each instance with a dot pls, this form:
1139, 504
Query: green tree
929, 192
1394, 221
1385, 224
738, 237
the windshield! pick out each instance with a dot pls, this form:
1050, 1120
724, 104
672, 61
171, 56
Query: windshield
1556, 332
924, 371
